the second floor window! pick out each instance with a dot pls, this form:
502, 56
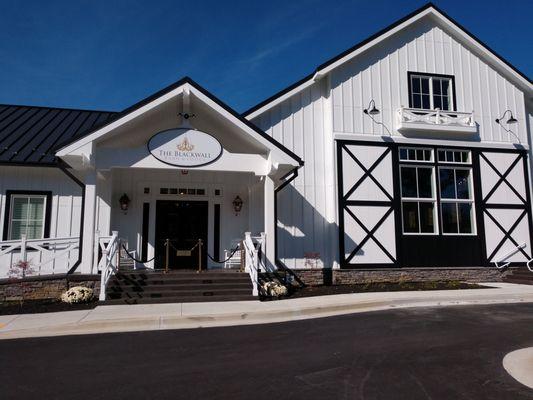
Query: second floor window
430, 92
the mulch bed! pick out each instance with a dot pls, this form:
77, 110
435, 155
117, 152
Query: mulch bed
310, 291
41, 306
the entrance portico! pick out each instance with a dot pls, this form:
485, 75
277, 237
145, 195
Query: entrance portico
116, 160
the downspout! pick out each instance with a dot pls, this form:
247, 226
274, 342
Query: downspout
288, 178
62, 167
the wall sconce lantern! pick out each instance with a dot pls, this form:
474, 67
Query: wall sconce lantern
124, 202
511, 120
237, 205
373, 110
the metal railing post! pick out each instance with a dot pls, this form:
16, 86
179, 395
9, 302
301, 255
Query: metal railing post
199, 255
167, 245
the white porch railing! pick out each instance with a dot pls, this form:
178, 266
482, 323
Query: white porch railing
46, 256
108, 263
507, 255
254, 253
419, 119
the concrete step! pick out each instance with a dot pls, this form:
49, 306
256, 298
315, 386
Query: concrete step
114, 288
172, 281
181, 293
181, 299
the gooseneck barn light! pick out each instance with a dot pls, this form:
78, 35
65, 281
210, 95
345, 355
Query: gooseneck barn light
237, 205
124, 202
373, 110
511, 120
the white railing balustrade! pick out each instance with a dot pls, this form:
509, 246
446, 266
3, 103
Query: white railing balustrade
507, 255
454, 121
254, 254
46, 256
108, 263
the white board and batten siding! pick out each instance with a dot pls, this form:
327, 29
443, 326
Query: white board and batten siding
332, 108
306, 207
381, 74
65, 211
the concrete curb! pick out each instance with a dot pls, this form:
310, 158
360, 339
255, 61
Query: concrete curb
519, 364
124, 318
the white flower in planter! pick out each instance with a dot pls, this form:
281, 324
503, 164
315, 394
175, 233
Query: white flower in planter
274, 289
77, 294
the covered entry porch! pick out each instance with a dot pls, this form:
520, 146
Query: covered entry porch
176, 166
217, 208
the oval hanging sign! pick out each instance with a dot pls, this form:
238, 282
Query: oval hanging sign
184, 147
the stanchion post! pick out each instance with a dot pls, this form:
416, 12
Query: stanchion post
199, 255
167, 245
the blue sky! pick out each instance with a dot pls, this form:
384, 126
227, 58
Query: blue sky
107, 55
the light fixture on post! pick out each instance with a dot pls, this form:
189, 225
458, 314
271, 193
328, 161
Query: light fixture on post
373, 110
237, 205
511, 120
124, 202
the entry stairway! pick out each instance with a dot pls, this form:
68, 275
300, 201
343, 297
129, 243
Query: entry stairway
520, 275
147, 287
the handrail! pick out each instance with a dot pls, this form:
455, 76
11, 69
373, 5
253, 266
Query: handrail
436, 117
109, 263
252, 260
507, 255
43, 251
528, 265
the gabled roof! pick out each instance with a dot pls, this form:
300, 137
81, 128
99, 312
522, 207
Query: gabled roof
29, 135
116, 119
352, 52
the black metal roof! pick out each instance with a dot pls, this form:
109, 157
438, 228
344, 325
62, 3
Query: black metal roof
30, 135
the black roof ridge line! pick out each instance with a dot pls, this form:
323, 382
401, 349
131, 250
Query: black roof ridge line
169, 88
369, 39
58, 108
125, 111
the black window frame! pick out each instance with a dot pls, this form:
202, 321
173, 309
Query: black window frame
425, 74
47, 210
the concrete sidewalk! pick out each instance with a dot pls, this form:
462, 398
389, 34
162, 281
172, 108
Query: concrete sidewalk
126, 318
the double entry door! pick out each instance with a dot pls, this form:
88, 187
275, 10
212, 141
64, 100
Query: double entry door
183, 223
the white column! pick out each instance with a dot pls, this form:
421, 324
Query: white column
89, 213
103, 203
270, 224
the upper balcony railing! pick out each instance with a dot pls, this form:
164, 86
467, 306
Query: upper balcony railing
417, 120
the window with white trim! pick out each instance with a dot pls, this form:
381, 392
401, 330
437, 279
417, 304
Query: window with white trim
27, 215
456, 200
418, 199
454, 156
415, 154
430, 92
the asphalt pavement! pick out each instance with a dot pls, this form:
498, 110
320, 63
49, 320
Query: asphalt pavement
419, 353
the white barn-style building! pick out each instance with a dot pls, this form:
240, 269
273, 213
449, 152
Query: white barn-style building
408, 154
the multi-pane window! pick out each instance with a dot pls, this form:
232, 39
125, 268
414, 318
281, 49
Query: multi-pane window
457, 200
415, 154
431, 92
418, 199
454, 156
419, 175
27, 216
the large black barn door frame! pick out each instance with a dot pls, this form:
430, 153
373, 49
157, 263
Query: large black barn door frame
487, 208
345, 203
